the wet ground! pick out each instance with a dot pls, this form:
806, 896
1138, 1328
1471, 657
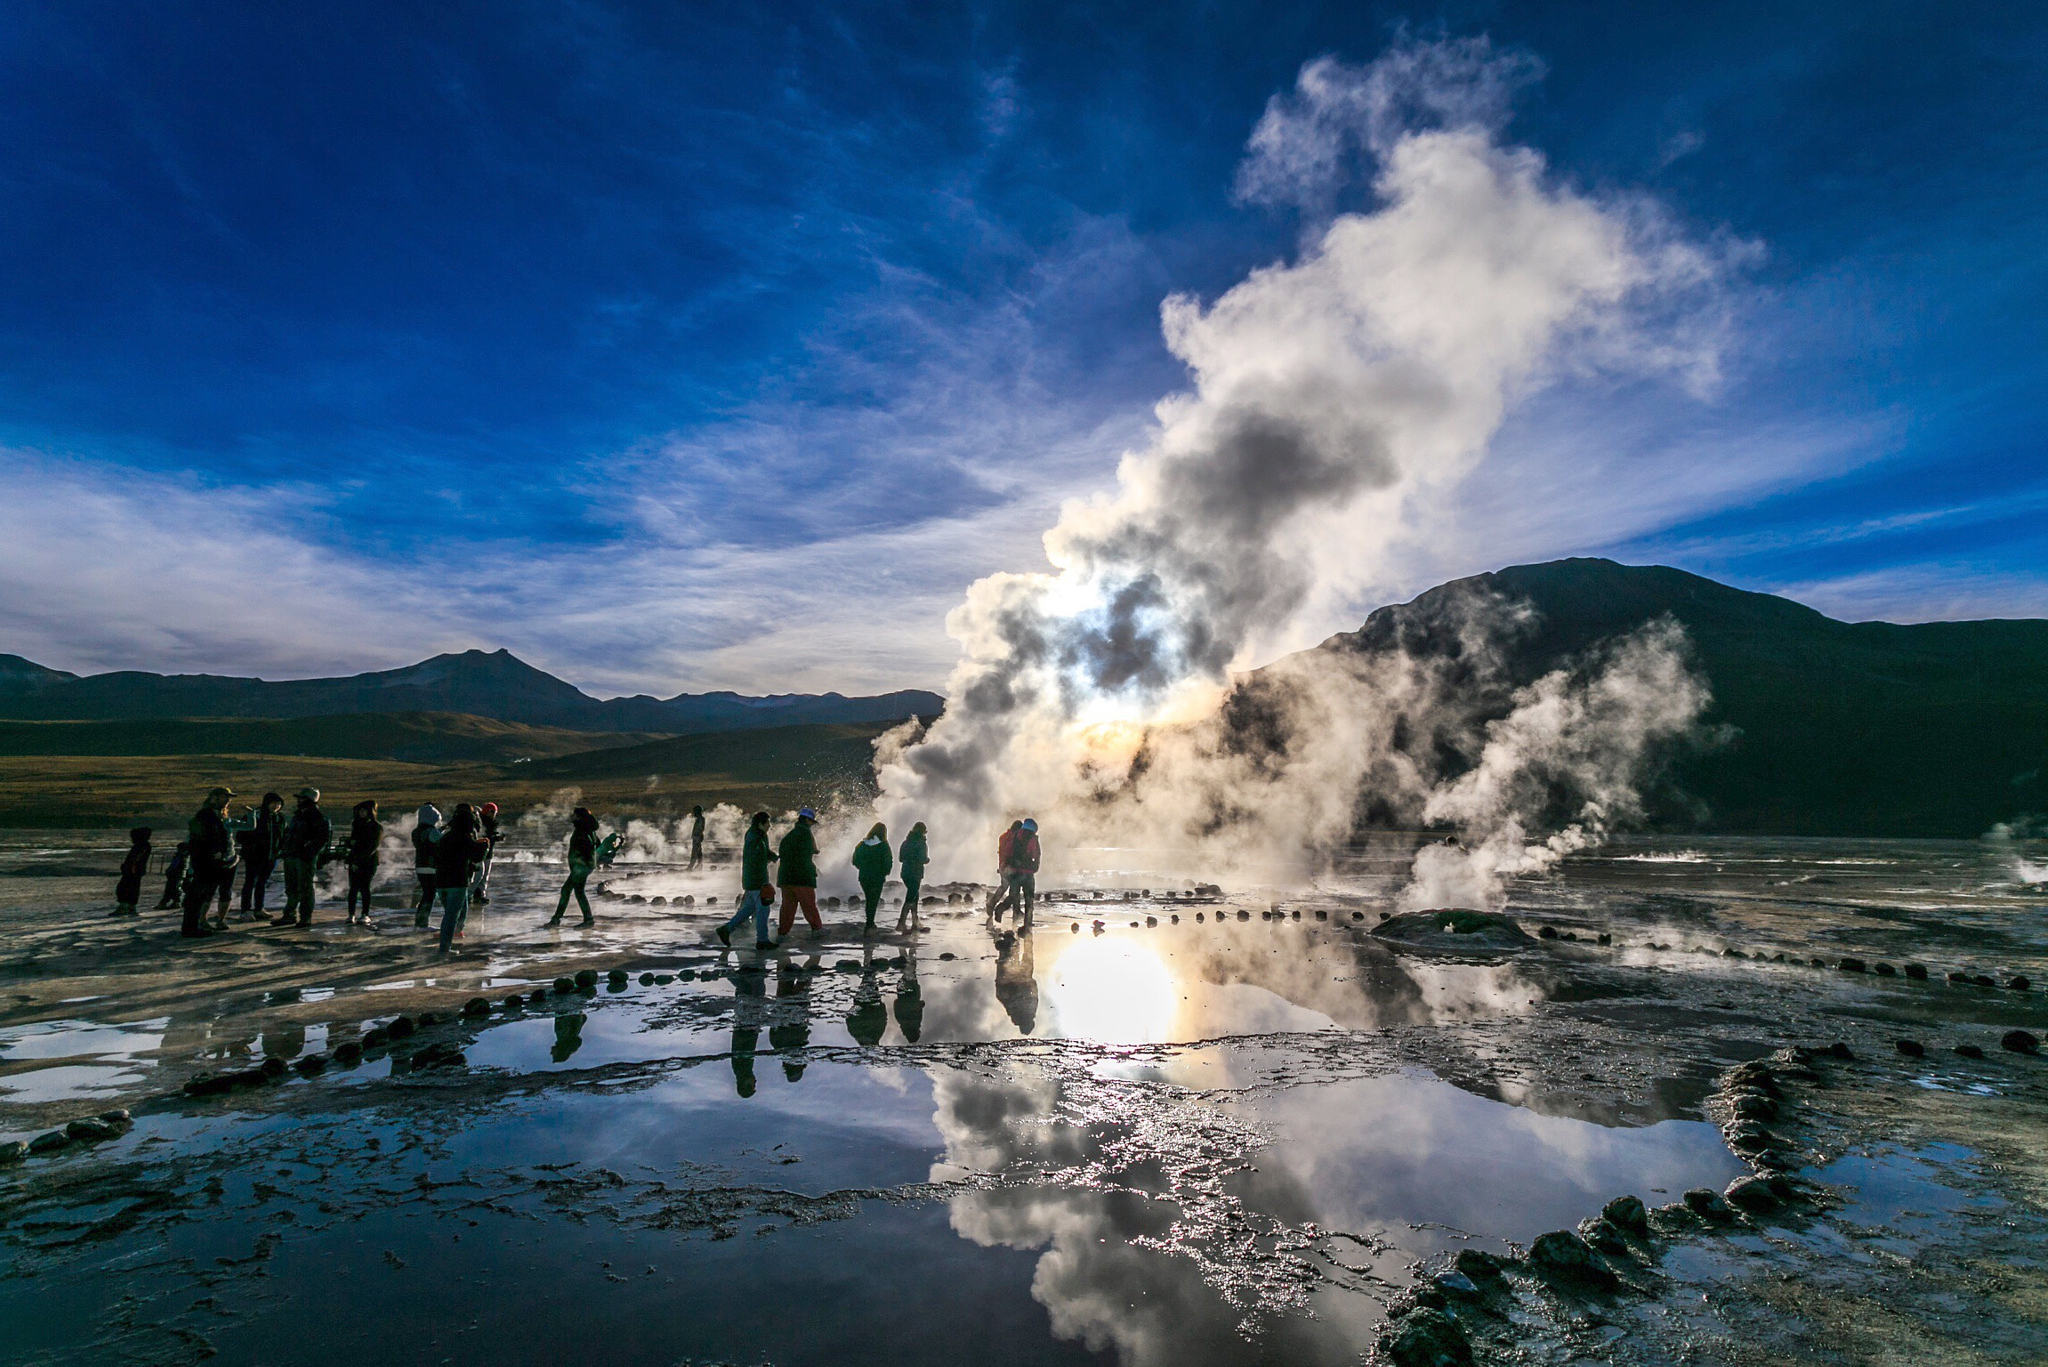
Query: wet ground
1169, 1126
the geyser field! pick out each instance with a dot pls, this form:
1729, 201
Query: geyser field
1170, 1126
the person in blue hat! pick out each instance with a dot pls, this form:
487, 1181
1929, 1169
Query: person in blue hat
1020, 873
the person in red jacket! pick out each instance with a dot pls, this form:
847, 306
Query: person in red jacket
1017, 855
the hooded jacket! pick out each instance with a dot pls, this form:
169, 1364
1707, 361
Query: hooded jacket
457, 853
914, 855
423, 837
754, 857
799, 853
265, 844
365, 834
213, 850
308, 832
871, 857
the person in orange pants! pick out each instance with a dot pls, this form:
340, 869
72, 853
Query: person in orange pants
799, 856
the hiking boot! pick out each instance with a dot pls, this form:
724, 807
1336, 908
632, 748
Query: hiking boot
724, 935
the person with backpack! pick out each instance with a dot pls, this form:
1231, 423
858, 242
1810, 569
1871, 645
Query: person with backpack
134, 864
305, 837
757, 890
872, 862
456, 855
488, 817
799, 855
211, 862
365, 834
261, 847
426, 830
912, 858
582, 859
1019, 852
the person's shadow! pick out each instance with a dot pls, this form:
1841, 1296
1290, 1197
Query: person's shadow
1017, 980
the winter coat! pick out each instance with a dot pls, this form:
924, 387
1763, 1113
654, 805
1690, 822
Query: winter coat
491, 831
754, 860
306, 834
364, 835
129, 889
913, 856
266, 837
457, 854
871, 857
423, 838
213, 850
799, 852
1022, 854
583, 840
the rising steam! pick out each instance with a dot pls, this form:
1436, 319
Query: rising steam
1327, 395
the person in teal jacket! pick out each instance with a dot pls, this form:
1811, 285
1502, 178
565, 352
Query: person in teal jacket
799, 855
872, 861
913, 857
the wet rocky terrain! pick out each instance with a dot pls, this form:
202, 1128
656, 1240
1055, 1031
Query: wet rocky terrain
1729, 1101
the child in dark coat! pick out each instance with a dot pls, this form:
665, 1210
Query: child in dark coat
128, 891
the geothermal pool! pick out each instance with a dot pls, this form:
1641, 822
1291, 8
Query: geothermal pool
1270, 1134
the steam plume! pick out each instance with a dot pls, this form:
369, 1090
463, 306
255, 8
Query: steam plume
1327, 393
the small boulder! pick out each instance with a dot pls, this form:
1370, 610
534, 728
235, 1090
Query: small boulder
1480, 1266
1563, 1255
1547, 933
1603, 1235
1752, 1194
586, 978
1917, 972
1911, 1048
49, 1143
476, 1006
1960, 979
1969, 1051
1850, 965
2020, 1042
1841, 1051
1985, 980
13, 1151
564, 986
1606, 938
515, 1002
274, 1068
1458, 1285
91, 1129
401, 1028
1427, 1337
1885, 971
118, 1116
1626, 1212
2021, 983
1708, 1205
428, 1018
647, 980
1753, 1106
349, 1052
311, 1064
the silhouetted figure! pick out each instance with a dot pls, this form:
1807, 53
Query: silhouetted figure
262, 847
211, 859
1017, 981
175, 874
487, 816
456, 854
696, 837
789, 1032
868, 1019
365, 834
134, 864
912, 858
799, 855
426, 830
756, 891
749, 1008
582, 859
910, 998
305, 836
1018, 851
871, 863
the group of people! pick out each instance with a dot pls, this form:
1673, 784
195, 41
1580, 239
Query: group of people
797, 853
452, 862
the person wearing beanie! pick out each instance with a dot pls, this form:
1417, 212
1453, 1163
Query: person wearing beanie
871, 863
582, 859
211, 860
799, 855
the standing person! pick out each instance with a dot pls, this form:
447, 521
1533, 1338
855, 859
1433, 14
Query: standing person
912, 857
134, 864
488, 814
757, 892
1020, 872
872, 862
174, 877
426, 830
456, 855
264, 845
1005, 894
305, 836
799, 855
212, 859
696, 837
365, 834
582, 859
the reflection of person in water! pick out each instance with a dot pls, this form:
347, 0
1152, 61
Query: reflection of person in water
749, 1007
909, 998
1017, 980
790, 1031
868, 1018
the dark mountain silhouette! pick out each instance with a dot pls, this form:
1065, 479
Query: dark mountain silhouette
1831, 728
495, 684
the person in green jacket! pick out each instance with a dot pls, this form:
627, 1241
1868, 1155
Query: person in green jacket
913, 857
757, 890
872, 861
799, 855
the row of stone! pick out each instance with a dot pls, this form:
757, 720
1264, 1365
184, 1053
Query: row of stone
87, 1129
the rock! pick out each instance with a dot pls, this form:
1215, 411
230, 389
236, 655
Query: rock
947, 957
1563, 1255
1850, 965
311, 1064
274, 1068
1818, 963
2022, 983
376, 1037
1456, 930
1985, 980
118, 1116
1753, 1141
1479, 1266
1243, 915
1959, 978
1733, 954
2020, 1042
1322, 916
1427, 1337
647, 980
1150, 921
1708, 1205
49, 1143
1911, 1048
1296, 915
1751, 1194
1754, 1106
1841, 1051
586, 978
1360, 916
1885, 971
348, 1053
663, 979
1547, 933
570, 1022
91, 1129
1626, 1212
1969, 1051
401, 1028
1606, 938
515, 1002
617, 975
657, 901
1603, 1235
1779, 1185
476, 1006
1756, 1074
1917, 972
13, 1151
1457, 1284
428, 1018
564, 986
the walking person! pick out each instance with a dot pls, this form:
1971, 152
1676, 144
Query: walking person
1001, 897
175, 874
425, 831
456, 854
134, 864
696, 837
912, 858
262, 848
1020, 873
757, 891
872, 862
582, 859
365, 834
211, 860
799, 854
488, 819
305, 837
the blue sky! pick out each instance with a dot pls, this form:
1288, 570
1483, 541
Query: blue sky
708, 346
